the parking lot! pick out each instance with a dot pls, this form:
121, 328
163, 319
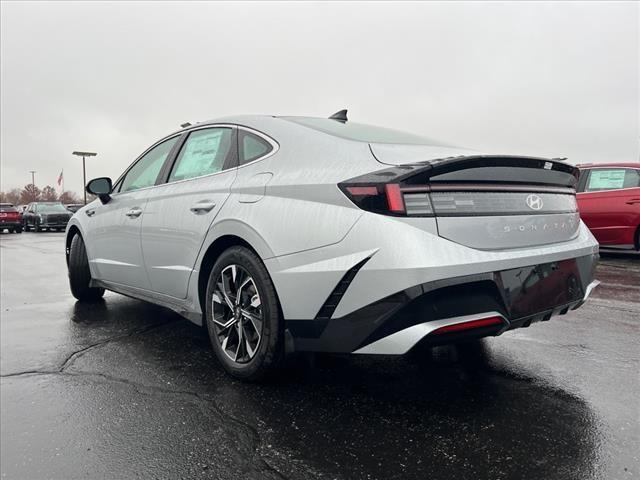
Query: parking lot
124, 389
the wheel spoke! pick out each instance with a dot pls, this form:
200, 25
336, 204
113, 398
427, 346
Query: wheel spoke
225, 324
248, 283
240, 340
225, 341
256, 321
234, 273
225, 287
250, 350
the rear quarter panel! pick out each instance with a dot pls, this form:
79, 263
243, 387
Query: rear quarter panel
300, 206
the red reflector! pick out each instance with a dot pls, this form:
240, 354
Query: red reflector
394, 197
459, 327
363, 191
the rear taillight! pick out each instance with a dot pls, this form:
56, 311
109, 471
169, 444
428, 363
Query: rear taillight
469, 325
390, 199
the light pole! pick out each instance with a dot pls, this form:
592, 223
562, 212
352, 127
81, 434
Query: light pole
33, 183
84, 171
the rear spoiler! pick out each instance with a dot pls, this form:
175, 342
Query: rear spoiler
482, 170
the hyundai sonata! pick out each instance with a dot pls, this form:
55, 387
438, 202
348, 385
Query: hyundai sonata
284, 234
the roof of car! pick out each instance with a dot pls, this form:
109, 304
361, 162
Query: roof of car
612, 164
347, 130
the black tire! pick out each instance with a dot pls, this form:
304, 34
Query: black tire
638, 238
11, 230
269, 352
19, 230
79, 273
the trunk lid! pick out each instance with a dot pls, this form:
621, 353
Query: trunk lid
488, 202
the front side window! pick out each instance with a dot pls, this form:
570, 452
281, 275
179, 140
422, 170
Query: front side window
203, 153
145, 171
612, 179
252, 147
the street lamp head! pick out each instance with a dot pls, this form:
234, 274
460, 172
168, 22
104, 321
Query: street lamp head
85, 154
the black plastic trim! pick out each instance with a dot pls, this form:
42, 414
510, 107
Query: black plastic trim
499, 291
331, 303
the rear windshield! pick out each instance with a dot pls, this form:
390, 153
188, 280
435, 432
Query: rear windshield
361, 132
7, 207
51, 208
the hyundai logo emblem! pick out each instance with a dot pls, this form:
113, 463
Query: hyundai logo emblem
534, 202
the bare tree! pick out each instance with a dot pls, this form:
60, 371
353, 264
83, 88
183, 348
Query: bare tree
13, 196
49, 194
69, 197
30, 193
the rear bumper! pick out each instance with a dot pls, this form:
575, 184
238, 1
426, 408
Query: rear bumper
397, 323
10, 224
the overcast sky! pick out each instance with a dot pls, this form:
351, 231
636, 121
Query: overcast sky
549, 79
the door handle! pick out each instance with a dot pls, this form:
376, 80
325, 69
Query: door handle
90, 213
134, 213
203, 207
633, 201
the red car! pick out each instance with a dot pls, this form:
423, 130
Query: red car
10, 218
609, 202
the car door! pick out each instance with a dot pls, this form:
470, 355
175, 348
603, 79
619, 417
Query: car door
610, 204
113, 228
179, 213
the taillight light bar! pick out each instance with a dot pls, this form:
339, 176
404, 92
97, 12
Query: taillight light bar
390, 199
470, 325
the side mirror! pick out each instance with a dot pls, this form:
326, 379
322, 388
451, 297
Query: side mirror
101, 187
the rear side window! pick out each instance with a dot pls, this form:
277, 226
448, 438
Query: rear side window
252, 147
203, 153
612, 179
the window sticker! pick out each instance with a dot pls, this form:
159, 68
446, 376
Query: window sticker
601, 179
200, 154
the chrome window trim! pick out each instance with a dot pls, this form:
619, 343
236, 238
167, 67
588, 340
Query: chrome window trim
274, 144
610, 189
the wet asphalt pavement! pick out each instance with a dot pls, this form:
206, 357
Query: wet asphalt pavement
124, 389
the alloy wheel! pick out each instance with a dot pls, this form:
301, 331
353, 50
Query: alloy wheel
237, 314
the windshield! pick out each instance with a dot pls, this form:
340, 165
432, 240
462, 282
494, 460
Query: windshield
361, 132
51, 208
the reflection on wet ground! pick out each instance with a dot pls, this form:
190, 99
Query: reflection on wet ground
123, 389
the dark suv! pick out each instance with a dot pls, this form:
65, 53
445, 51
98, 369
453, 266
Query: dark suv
49, 215
10, 218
